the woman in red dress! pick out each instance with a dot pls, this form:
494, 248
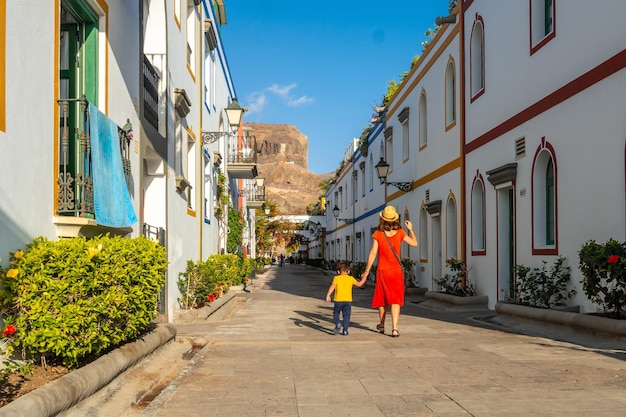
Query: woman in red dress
389, 289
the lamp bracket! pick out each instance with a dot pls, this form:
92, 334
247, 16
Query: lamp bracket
210, 137
403, 186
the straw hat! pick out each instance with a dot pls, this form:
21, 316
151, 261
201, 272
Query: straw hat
389, 214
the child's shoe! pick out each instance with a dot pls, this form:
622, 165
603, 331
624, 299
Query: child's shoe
337, 328
345, 332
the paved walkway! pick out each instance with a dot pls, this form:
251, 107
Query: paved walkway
274, 354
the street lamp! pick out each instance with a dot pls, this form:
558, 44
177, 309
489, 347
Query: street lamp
382, 170
336, 215
234, 112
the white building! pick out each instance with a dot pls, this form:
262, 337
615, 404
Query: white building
508, 138
156, 70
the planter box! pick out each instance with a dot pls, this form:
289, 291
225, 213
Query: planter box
444, 302
199, 314
415, 291
566, 320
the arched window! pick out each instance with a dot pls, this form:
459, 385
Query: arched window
423, 121
423, 240
451, 229
477, 59
450, 94
478, 217
545, 230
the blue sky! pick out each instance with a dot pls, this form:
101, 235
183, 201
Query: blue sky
322, 66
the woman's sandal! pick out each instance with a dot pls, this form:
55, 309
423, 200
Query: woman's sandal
380, 328
395, 333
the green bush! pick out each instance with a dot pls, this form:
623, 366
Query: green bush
604, 275
203, 282
538, 287
76, 297
456, 283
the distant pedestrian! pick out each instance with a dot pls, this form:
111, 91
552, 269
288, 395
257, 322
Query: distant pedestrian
389, 288
342, 286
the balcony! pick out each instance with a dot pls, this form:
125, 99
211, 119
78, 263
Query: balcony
94, 169
254, 196
241, 158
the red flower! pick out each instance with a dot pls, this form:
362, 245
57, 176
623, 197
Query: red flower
613, 259
211, 297
9, 330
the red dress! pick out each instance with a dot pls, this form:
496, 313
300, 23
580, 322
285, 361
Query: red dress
389, 287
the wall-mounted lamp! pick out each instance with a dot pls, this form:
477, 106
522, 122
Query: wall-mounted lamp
259, 181
382, 170
234, 112
336, 215
266, 209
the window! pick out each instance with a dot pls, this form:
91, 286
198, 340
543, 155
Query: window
423, 241
178, 146
192, 28
389, 151
208, 185
450, 89
541, 23
209, 86
478, 217
451, 229
403, 117
544, 201
370, 171
190, 175
477, 59
423, 121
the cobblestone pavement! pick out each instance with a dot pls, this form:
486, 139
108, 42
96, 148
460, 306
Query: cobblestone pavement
274, 354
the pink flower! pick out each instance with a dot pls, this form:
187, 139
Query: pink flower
613, 259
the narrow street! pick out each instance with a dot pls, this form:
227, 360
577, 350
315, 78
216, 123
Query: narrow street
274, 354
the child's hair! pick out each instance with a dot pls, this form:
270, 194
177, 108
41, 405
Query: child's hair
343, 266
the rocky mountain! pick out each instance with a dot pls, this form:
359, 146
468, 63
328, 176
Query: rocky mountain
282, 158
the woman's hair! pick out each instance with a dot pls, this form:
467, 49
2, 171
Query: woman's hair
385, 226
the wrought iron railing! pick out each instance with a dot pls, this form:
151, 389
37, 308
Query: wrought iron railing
75, 180
241, 150
253, 194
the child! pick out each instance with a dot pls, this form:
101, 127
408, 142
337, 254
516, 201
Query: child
342, 286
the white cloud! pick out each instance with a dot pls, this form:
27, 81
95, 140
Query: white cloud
256, 102
282, 91
300, 101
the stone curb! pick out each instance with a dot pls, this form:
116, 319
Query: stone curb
201, 314
74, 387
577, 321
442, 301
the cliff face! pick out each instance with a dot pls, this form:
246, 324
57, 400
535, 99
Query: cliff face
282, 158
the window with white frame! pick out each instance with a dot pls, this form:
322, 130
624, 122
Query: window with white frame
423, 234
478, 217
544, 202
403, 118
541, 22
389, 147
192, 29
370, 172
207, 171
451, 228
423, 121
450, 93
191, 170
477, 59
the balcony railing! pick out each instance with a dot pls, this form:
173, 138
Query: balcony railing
254, 195
242, 157
75, 182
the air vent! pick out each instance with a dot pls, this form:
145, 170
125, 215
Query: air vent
427, 195
520, 148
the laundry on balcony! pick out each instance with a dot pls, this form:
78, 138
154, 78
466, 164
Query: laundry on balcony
112, 204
